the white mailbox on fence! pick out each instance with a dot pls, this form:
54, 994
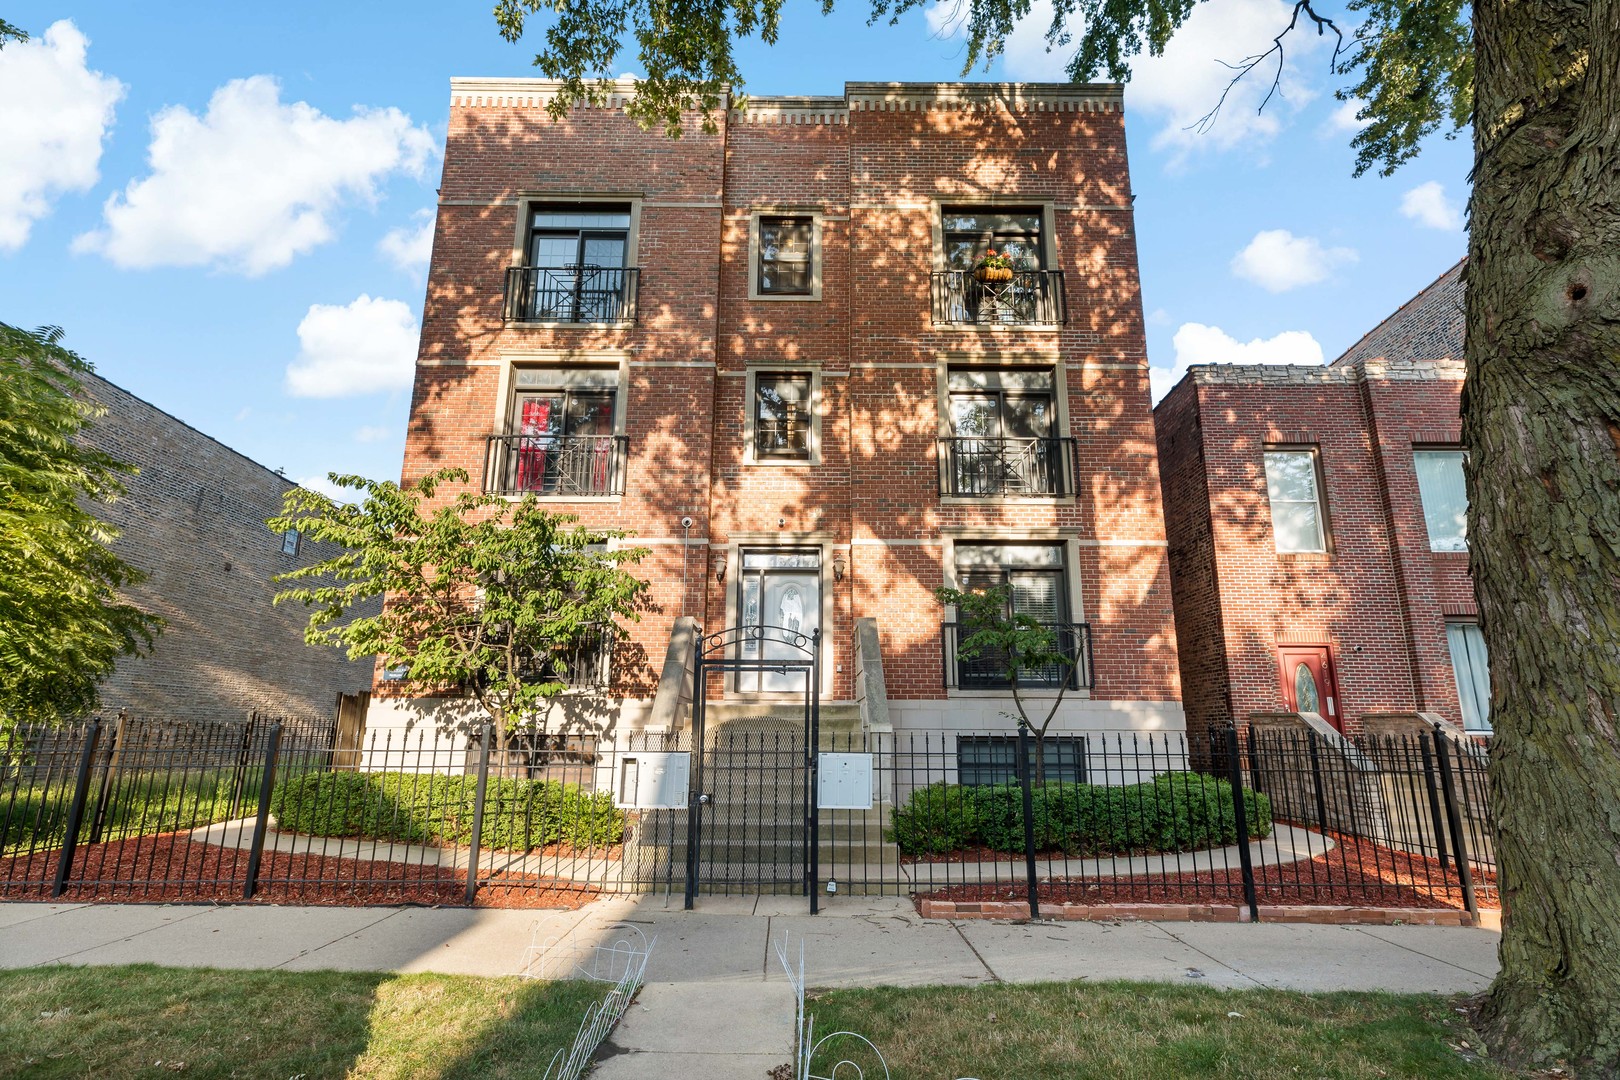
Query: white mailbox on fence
844, 782
653, 781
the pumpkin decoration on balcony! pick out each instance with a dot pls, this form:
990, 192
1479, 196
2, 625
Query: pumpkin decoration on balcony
993, 267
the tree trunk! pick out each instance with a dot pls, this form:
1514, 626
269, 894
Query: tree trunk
1541, 418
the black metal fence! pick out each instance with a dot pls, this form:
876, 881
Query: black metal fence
1028, 298
986, 468
572, 294
229, 812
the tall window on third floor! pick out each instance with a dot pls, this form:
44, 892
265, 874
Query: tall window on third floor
1296, 506
1445, 497
969, 232
576, 256
784, 408
786, 249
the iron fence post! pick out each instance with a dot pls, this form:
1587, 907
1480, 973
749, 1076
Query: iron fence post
812, 776
1234, 765
480, 793
1316, 779
261, 823
1459, 848
1440, 846
99, 819
1029, 820
81, 792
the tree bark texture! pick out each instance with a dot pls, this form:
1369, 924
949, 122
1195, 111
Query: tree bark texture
1541, 419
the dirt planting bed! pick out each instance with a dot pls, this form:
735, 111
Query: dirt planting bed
1355, 873
173, 868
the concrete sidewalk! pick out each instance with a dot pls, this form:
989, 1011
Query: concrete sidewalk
740, 1024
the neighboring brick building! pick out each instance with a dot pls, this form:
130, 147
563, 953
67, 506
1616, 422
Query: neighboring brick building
1315, 524
777, 337
193, 519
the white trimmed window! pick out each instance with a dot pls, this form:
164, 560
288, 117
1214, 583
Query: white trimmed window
1445, 497
1472, 668
1294, 489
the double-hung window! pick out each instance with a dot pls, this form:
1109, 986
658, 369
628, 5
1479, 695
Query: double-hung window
1472, 668
784, 411
1292, 484
786, 255
1445, 497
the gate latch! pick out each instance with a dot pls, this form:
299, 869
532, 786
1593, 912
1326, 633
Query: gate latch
705, 799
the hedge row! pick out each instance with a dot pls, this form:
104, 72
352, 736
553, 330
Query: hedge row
1174, 812
422, 808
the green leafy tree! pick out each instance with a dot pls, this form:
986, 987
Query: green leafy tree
1541, 407
504, 600
1017, 647
62, 624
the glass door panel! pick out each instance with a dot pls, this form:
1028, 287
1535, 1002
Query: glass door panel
781, 608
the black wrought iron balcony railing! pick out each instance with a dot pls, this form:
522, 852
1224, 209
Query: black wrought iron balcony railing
572, 294
991, 468
1029, 298
988, 670
554, 465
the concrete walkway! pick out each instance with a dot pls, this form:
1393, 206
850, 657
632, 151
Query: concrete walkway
715, 1002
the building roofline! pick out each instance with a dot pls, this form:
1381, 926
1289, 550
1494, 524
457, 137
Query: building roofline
1420, 297
198, 431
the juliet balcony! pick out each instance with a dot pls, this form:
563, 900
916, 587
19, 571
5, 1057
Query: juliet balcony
555, 466
1028, 298
988, 670
572, 294
980, 468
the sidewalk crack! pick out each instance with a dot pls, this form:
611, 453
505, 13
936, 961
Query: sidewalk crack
1420, 952
976, 954
1240, 973
136, 934
334, 941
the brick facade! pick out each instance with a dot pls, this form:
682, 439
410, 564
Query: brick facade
193, 519
874, 166
1379, 598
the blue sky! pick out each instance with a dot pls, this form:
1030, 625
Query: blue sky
224, 205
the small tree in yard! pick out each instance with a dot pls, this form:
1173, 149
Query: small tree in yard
1017, 645
495, 597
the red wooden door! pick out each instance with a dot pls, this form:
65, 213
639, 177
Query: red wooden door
1307, 682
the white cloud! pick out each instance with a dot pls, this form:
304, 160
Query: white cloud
1277, 260
1184, 84
366, 347
253, 183
1196, 343
58, 114
372, 433
1427, 205
1342, 121
410, 247
324, 486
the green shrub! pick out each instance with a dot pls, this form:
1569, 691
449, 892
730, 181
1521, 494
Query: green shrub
429, 808
936, 819
1173, 812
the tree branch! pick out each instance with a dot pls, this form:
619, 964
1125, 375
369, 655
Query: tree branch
1248, 64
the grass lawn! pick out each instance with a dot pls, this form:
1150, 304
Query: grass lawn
146, 1021
1142, 1030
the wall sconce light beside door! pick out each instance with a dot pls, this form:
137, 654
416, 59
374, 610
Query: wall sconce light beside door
720, 567
839, 565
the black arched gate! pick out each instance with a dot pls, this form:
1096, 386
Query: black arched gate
751, 815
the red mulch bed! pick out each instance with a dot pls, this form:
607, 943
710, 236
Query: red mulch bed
1356, 873
172, 868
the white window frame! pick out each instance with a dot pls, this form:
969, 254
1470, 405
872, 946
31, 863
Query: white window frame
816, 216
1319, 481
1448, 544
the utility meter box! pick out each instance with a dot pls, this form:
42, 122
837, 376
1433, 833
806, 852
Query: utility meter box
653, 781
844, 782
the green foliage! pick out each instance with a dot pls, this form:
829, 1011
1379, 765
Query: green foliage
500, 598
10, 32
430, 808
62, 625
1173, 812
1413, 62
34, 816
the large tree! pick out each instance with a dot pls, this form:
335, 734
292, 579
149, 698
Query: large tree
505, 601
1540, 85
62, 624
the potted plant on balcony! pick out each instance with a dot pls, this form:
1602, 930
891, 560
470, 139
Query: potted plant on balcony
993, 267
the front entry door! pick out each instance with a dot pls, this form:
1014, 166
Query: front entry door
781, 609
1307, 681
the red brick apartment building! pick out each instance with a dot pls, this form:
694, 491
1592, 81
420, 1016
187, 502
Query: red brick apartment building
763, 351
1316, 518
